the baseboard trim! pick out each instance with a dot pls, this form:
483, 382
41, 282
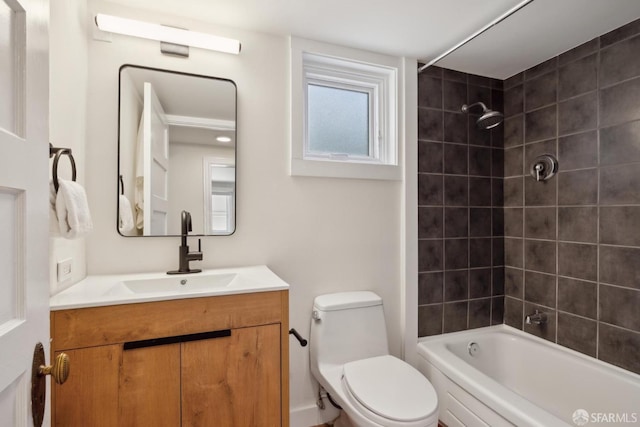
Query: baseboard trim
311, 415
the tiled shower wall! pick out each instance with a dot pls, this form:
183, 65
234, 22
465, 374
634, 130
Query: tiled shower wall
572, 244
460, 202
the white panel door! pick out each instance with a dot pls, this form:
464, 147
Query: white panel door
156, 164
24, 194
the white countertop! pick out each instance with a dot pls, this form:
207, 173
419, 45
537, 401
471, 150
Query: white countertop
113, 289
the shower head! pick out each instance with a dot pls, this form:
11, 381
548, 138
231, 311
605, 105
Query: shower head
489, 118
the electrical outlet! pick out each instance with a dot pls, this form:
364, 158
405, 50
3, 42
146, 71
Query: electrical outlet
64, 269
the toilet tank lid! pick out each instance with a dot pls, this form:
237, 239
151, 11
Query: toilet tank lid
346, 300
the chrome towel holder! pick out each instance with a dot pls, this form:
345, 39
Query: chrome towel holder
56, 153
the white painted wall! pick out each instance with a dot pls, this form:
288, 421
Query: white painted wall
68, 77
319, 234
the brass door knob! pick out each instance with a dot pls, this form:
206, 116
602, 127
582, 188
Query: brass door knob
59, 371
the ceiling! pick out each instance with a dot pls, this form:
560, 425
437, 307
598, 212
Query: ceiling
422, 29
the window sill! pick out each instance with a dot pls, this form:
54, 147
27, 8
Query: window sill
334, 169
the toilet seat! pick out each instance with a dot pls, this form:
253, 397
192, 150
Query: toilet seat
388, 390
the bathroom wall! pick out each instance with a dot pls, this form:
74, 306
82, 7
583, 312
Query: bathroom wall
320, 235
67, 121
460, 224
572, 244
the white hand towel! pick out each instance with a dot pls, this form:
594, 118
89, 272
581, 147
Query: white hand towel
125, 216
54, 227
72, 210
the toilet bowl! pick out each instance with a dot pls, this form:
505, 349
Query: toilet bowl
350, 358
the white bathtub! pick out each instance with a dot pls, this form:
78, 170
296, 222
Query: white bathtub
515, 378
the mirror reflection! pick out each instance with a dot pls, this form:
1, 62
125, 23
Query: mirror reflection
177, 151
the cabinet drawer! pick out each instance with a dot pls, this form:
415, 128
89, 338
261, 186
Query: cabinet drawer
95, 326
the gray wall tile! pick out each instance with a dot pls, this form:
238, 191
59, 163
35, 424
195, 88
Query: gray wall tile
578, 297
619, 103
578, 187
578, 224
514, 131
577, 333
578, 260
430, 288
513, 101
497, 311
430, 255
513, 222
456, 191
540, 256
430, 124
429, 91
619, 306
540, 223
514, 282
540, 193
456, 254
620, 225
621, 33
454, 95
578, 114
619, 347
540, 91
620, 185
620, 144
578, 151
541, 68
578, 52
540, 124
430, 189
620, 266
540, 288
578, 77
513, 252
430, 223
480, 161
429, 320
455, 159
480, 313
456, 285
480, 283
429, 157
620, 62
513, 192
455, 316
455, 127
513, 312
456, 222
480, 222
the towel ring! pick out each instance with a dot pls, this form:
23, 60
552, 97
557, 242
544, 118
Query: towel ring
121, 185
56, 153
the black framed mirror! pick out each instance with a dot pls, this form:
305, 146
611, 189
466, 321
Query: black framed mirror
176, 151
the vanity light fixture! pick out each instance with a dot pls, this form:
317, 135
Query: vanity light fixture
223, 139
146, 30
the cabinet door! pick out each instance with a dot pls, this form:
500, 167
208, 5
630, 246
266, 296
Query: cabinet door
233, 381
150, 386
90, 395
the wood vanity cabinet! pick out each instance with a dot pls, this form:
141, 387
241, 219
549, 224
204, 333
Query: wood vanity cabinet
211, 361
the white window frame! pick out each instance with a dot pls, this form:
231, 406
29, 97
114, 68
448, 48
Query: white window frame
344, 68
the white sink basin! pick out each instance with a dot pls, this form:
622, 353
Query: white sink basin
188, 284
112, 289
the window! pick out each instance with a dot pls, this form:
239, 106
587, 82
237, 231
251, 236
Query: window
344, 113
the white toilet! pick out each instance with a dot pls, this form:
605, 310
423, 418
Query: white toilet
350, 359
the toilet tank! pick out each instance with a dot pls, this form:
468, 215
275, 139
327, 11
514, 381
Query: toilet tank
347, 326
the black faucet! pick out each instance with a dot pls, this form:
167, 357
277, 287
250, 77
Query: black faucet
185, 255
